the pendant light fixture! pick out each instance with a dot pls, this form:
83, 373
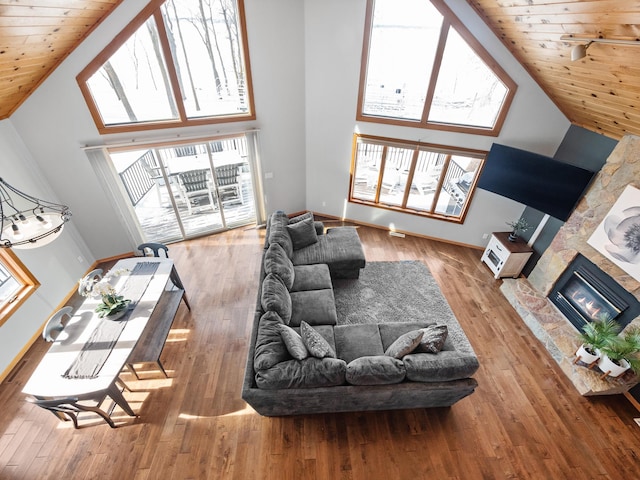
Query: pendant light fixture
27, 221
580, 51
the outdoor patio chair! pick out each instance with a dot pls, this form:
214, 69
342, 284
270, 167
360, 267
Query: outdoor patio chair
193, 184
229, 186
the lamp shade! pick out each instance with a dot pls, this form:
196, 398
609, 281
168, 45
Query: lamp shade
27, 221
578, 52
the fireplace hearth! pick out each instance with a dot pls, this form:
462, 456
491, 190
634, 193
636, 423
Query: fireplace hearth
584, 293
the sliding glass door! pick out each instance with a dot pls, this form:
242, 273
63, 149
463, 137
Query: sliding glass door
180, 191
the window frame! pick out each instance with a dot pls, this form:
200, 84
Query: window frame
29, 283
386, 142
153, 9
449, 21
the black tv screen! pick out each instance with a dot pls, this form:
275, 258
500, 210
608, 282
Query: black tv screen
534, 180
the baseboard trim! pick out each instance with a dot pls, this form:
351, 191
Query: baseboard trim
403, 232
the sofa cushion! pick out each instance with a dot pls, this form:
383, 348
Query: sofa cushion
316, 307
314, 342
405, 344
275, 297
443, 366
293, 342
433, 339
302, 233
339, 248
311, 277
308, 373
277, 262
355, 341
277, 232
270, 348
375, 370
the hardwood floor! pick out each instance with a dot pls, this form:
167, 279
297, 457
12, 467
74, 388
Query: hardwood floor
525, 420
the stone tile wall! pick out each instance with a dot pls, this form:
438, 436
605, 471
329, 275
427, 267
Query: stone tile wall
528, 296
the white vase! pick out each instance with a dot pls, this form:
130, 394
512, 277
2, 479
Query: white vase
611, 368
583, 355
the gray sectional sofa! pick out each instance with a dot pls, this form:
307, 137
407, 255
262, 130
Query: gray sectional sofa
301, 360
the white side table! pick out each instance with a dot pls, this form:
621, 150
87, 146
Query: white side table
505, 258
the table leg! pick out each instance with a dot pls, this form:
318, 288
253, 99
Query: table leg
114, 392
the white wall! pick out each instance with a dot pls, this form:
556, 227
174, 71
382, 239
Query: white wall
55, 123
305, 59
56, 266
48, 131
333, 35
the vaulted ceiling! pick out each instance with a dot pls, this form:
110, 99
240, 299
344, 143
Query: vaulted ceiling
600, 92
36, 36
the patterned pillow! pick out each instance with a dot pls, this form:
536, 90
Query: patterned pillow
433, 339
293, 342
314, 342
405, 344
302, 233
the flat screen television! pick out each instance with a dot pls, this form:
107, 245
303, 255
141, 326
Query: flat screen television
534, 180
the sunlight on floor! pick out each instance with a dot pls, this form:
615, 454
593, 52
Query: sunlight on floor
247, 410
178, 335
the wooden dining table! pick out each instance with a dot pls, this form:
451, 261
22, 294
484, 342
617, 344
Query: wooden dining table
50, 378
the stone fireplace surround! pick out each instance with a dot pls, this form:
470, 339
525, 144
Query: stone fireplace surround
529, 296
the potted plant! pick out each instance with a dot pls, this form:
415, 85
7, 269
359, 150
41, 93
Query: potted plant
621, 355
112, 306
517, 226
594, 336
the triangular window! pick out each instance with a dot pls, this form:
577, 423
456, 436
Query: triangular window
179, 62
422, 68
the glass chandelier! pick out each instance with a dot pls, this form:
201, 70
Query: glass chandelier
27, 221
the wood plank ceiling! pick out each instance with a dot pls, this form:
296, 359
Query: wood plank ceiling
36, 36
600, 92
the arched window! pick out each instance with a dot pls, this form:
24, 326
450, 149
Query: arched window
178, 63
422, 68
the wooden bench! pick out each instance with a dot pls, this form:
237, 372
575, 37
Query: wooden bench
151, 342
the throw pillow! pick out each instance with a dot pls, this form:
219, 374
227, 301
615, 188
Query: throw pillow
432, 339
405, 344
302, 233
299, 218
293, 342
277, 262
275, 297
314, 342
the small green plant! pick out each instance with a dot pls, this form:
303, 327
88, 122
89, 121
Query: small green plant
111, 304
626, 348
101, 288
599, 333
519, 225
